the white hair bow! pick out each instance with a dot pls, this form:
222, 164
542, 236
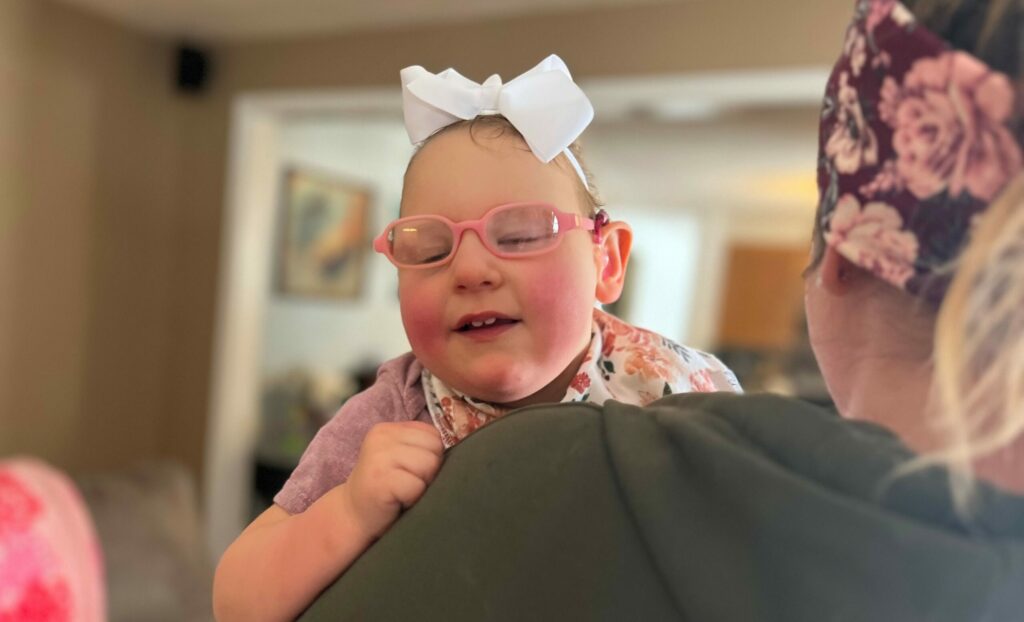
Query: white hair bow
544, 104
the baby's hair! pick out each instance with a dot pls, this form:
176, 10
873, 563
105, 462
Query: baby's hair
496, 126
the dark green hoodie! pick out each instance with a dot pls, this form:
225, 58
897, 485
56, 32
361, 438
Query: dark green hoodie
708, 507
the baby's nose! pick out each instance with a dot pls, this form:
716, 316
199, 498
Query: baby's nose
473, 266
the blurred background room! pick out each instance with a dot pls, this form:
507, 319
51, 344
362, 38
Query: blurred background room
188, 190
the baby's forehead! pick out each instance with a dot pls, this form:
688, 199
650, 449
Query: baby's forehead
459, 168
464, 145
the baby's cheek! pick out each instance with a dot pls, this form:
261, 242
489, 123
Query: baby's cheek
423, 321
565, 299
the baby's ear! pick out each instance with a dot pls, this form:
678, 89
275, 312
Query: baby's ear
612, 257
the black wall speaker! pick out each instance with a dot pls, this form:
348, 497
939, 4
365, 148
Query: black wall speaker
192, 70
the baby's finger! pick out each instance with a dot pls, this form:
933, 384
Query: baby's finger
419, 425
420, 462
406, 488
421, 435
385, 435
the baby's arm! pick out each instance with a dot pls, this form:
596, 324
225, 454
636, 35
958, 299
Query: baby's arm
281, 562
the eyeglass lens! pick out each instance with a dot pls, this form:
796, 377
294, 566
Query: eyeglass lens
515, 230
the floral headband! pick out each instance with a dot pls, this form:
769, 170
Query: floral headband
917, 139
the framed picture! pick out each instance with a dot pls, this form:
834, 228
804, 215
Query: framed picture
324, 236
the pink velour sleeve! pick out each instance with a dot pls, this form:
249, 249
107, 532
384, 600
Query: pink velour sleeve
332, 454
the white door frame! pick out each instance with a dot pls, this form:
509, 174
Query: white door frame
246, 265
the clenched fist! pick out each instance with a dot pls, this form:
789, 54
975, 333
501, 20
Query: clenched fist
395, 464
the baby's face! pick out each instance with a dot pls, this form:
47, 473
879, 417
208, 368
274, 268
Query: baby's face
545, 303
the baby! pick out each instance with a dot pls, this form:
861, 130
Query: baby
502, 254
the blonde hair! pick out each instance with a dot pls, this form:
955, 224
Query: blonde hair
979, 335
979, 343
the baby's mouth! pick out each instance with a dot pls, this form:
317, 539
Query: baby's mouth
483, 323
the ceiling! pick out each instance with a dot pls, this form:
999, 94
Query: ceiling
213, 20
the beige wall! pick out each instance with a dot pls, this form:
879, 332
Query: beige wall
682, 36
112, 188
88, 155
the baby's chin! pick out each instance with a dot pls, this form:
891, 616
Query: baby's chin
496, 390
499, 396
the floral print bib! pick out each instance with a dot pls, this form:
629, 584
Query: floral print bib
623, 363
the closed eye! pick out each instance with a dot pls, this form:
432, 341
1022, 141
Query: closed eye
519, 241
433, 258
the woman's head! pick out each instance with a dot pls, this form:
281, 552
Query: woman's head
543, 303
920, 145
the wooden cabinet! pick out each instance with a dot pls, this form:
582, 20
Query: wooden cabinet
762, 302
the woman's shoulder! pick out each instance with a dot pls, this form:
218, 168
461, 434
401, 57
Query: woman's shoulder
784, 439
708, 500
794, 431
775, 419
775, 433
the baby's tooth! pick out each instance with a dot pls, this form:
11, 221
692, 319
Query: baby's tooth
477, 324
490, 321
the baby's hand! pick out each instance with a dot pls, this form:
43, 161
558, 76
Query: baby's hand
396, 462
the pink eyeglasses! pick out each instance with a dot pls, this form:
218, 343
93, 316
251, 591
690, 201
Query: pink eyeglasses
509, 231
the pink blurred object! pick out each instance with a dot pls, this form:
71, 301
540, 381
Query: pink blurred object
51, 569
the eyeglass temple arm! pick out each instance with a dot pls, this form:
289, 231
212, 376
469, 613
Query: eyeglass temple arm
380, 243
600, 219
